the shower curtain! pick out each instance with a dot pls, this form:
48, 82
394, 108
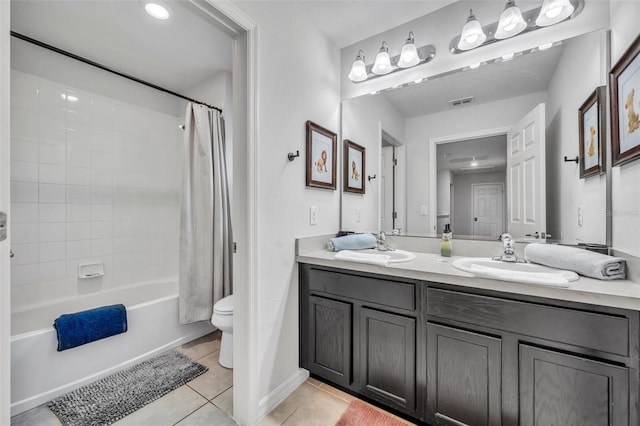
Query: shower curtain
205, 220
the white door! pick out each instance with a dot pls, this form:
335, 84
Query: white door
487, 209
526, 202
386, 182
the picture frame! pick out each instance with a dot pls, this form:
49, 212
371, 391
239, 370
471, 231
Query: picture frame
624, 81
354, 167
592, 131
321, 156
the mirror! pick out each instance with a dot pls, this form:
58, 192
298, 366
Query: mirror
449, 117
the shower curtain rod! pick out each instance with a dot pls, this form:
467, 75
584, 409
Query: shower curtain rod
105, 68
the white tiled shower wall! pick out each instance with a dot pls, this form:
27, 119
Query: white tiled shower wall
92, 179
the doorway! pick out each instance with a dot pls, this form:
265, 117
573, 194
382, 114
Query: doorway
488, 209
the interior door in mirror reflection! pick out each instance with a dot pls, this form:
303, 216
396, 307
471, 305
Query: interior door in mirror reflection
488, 209
526, 200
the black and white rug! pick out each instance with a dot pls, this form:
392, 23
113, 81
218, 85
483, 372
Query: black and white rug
109, 399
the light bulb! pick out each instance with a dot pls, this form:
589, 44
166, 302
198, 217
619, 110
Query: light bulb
472, 34
157, 11
382, 64
554, 11
358, 69
511, 22
409, 54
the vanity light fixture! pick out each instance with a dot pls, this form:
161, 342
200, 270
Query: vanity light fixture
382, 65
156, 10
409, 56
472, 34
513, 22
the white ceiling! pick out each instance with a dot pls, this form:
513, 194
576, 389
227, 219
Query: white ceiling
487, 152
346, 22
120, 35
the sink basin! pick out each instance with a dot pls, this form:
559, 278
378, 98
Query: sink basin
530, 273
375, 257
395, 256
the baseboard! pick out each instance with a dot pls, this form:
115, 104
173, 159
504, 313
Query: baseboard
36, 400
279, 394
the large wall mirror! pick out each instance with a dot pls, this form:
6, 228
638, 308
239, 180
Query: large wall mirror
445, 149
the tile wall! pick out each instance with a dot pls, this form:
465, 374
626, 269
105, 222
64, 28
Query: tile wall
92, 179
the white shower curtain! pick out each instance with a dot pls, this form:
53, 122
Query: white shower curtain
205, 220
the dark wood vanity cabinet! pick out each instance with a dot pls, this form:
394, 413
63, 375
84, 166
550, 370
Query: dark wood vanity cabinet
360, 331
448, 355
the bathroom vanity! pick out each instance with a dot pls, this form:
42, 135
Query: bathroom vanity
446, 348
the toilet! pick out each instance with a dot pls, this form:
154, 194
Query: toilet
222, 318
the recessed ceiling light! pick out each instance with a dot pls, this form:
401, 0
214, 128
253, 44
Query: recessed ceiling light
70, 98
156, 10
474, 164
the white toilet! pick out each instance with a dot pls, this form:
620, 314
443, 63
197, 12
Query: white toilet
222, 318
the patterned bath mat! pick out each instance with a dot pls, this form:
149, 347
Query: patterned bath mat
109, 399
359, 414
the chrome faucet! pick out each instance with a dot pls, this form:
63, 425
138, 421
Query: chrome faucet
509, 254
381, 240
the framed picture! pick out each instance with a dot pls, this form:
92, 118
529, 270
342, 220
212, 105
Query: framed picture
591, 116
625, 106
354, 164
321, 156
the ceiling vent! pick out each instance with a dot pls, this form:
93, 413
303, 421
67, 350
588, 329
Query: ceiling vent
456, 102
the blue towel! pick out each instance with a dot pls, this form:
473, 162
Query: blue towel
352, 242
87, 326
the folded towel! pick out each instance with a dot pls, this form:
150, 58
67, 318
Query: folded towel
352, 242
354, 256
584, 262
554, 279
87, 326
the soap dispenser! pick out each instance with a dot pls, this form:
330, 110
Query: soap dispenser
446, 244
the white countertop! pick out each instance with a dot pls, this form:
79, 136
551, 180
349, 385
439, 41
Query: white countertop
431, 267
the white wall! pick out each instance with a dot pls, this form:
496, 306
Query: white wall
362, 119
626, 197
94, 179
464, 119
463, 198
578, 74
290, 93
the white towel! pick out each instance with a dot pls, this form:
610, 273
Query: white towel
543, 278
584, 262
354, 256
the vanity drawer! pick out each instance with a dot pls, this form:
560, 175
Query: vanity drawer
592, 330
395, 294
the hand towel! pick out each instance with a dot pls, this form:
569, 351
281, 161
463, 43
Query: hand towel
584, 262
542, 278
87, 326
352, 242
354, 256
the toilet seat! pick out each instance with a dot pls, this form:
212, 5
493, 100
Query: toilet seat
224, 306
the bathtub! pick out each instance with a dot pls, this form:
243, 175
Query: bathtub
39, 373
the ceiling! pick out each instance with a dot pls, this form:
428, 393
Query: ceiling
522, 75
490, 154
120, 35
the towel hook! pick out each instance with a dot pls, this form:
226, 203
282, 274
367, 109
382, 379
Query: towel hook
371, 178
291, 156
571, 160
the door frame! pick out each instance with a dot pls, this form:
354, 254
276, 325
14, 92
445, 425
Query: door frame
245, 52
473, 204
432, 164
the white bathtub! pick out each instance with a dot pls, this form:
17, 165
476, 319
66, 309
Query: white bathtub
39, 373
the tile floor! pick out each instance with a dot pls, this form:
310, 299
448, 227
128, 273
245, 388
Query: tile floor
207, 400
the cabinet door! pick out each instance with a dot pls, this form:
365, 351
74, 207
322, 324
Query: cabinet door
463, 377
330, 344
560, 389
388, 358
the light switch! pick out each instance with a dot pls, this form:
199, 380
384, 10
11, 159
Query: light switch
424, 210
313, 215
